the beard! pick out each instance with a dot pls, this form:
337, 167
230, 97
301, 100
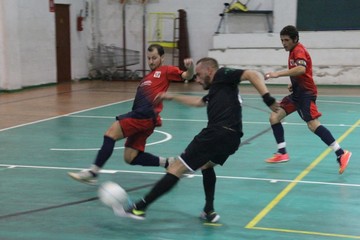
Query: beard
206, 84
154, 66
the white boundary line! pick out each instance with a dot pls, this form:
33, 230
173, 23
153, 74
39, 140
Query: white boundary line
11, 166
113, 171
167, 138
317, 100
64, 115
110, 104
204, 120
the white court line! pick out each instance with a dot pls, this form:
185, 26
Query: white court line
340, 102
167, 138
68, 114
317, 100
109, 171
110, 104
204, 120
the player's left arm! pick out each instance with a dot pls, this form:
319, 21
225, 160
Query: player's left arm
189, 73
293, 72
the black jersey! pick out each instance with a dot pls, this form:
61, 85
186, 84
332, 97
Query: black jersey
223, 105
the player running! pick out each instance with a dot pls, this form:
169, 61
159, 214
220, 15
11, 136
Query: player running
302, 99
138, 124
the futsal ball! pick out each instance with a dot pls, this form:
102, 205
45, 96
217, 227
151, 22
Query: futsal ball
112, 194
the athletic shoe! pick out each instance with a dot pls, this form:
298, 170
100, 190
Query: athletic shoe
212, 217
278, 158
132, 212
84, 176
343, 161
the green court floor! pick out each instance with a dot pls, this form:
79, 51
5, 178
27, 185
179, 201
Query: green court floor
305, 198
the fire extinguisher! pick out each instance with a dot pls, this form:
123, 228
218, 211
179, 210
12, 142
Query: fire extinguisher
79, 22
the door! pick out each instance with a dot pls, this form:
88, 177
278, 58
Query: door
63, 51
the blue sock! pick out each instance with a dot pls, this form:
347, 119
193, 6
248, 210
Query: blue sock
146, 159
278, 131
327, 138
325, 135
105, 152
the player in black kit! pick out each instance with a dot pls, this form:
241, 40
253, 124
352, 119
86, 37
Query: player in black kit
216, 142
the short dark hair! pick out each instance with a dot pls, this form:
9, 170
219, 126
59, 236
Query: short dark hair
159, 48
211, 62
290, 31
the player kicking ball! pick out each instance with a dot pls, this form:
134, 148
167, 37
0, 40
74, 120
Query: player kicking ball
216, 142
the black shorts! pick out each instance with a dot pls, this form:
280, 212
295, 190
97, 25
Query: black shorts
213, 144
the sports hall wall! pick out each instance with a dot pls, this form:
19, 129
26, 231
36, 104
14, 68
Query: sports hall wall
28, 49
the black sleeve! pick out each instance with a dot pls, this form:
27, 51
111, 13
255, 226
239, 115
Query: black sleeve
229, 75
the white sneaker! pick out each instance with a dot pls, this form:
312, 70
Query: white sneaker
211, 217
84, 176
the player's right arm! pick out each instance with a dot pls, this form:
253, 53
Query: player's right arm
254, 78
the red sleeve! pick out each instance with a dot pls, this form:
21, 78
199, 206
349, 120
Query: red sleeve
299, 53
174, 74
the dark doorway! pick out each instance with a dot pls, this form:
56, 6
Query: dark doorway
63, 52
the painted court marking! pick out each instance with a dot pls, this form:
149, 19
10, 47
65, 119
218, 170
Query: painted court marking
205, 120
113, 171
66, 204
168, 137
252, 224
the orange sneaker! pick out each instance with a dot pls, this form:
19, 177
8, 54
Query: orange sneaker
344, 161
278, 158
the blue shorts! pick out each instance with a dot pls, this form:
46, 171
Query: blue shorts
305, 106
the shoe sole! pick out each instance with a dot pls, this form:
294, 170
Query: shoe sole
120, 212
342, 170
73, 176
281, 161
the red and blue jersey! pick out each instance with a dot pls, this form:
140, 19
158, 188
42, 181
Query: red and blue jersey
303, 84
150, 86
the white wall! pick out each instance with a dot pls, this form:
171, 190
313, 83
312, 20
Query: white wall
27, 37
334, 62
27, 33
10, 58
36, 39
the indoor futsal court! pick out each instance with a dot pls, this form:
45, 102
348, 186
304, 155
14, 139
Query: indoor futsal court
50, 130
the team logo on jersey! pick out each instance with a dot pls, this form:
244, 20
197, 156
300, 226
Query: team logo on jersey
292, 62
157, 74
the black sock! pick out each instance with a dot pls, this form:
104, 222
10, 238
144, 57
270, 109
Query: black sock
145, 159
161, 187
209, 181
105, 152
